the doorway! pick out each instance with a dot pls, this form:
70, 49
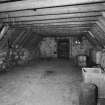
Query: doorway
63, 48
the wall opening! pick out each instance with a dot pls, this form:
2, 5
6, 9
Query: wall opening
63, 48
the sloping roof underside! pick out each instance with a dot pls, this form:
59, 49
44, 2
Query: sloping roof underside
28, 19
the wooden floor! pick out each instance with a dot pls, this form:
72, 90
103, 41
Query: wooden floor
44, 82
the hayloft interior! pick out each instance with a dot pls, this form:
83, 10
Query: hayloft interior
48, 48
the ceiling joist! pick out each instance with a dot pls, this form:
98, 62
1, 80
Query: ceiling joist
57, 27
76, 28
64, 25
33, 15
47, 17
27, 4
95, 9
55, 20
48, 24
58, 32
52, 16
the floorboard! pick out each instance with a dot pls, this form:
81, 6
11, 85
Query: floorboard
43, 82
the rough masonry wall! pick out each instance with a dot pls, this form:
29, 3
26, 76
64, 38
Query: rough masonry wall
82, 48
48, 47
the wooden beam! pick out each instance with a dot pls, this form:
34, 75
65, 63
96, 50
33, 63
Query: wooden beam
39, 14
101, 25
101, 32
61, 35
98, 34
8, 1
26, 38
59, 20
48, 24
52, 18
25, 26
19, 37
102, 21
47, 17
61, 29
92, 39
22, 38
23, 5
51, 27
71, 32
71, 11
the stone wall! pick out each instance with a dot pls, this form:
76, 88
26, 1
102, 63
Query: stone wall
48, 46
82, 48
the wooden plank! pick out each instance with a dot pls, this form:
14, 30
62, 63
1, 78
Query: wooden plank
91, 38
98, 35
43, 4
48, 24
54, 19
73, 11
44, 13
51, 26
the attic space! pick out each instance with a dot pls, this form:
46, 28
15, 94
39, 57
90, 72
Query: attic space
52, 52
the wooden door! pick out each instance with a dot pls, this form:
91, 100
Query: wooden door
63, 48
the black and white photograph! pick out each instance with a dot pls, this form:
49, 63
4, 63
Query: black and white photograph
52, 52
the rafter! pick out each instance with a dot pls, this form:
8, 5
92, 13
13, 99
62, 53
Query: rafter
24, 5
